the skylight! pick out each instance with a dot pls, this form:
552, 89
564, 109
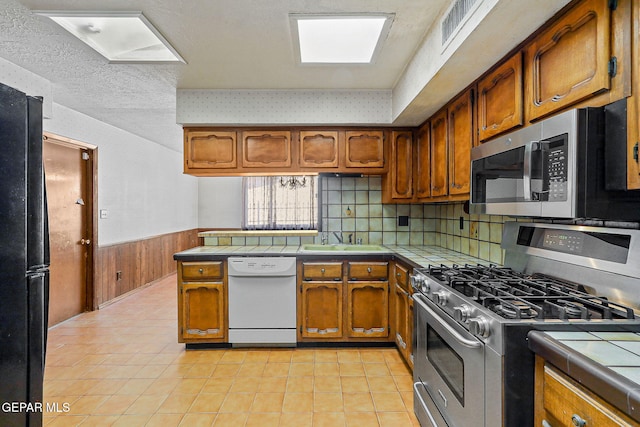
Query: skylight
118, 36
339, 39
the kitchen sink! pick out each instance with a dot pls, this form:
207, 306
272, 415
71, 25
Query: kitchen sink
342, 248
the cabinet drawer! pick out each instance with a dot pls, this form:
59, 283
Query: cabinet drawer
322, 271
368, 271
568, 403
202, 270
401, 276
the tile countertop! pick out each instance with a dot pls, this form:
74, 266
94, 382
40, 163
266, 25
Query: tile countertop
608, 363
418, 256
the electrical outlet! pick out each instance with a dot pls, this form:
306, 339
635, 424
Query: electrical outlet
118, 275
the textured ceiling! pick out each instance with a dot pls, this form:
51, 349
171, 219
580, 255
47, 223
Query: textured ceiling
227, 44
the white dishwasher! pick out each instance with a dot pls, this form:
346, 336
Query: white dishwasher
262, 301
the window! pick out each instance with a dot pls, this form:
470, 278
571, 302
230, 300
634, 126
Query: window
280, 203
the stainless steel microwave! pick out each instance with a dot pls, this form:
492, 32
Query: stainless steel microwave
566, 166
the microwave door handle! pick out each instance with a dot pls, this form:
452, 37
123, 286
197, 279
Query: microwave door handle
526, 173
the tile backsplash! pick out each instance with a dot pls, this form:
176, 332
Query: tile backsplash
353, 206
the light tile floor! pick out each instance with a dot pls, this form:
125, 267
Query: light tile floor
122, 366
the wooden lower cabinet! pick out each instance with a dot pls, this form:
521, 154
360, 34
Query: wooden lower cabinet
203, 307
368, 309
343, 301
562, 401
402, 323
202, 302
321, 309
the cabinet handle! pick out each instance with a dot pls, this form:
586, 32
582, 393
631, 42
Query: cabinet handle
368, 269
578, 421
322, 270
546, 424
200, 270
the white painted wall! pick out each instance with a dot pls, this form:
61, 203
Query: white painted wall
140, 183
220, 202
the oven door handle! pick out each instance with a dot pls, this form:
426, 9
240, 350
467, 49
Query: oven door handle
526, 169
462, 340
423, 403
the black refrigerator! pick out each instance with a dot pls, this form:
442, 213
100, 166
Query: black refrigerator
24, 260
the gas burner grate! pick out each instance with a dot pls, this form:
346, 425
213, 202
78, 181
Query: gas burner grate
514, 295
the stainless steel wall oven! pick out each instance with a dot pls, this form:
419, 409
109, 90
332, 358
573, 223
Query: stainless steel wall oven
472, 364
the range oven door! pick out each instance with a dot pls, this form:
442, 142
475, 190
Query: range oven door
448, 370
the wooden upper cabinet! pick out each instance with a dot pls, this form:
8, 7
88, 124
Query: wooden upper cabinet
364, 149
422, 144
268, 149
209, 149
500, 97
398, 182
318, 149
438, 147
460, 141
569, 61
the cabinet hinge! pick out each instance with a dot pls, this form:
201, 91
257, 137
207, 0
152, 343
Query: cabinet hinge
613, 4
613, 66
635, 153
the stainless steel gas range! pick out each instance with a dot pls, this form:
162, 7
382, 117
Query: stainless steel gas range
472, 365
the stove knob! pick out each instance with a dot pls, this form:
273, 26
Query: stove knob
461, 313
425, 287
479, 326
440, 298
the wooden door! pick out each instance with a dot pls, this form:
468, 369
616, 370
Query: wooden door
500, 99
70, 201
269, 149
321, 309
401, 168
439, 154
208, 149
460, 141
423, 162
203, 311
569, 61
400, 317
368, 309
319, 149
364, 149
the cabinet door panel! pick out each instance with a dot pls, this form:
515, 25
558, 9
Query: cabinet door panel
439, 154
500, 96
364, 149
368, 309
569, 61
401, 165
266, 149
321, 310
401, 316
460, 141
210, 149
203, 315
423, 160
318, 149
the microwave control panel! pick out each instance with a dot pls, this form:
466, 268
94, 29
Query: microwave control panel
556, 172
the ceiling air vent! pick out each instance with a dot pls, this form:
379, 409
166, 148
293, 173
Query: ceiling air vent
454, 17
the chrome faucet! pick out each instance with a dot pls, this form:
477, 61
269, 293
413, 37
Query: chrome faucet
338, 236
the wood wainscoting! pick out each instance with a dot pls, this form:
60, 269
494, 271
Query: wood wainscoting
124, 267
